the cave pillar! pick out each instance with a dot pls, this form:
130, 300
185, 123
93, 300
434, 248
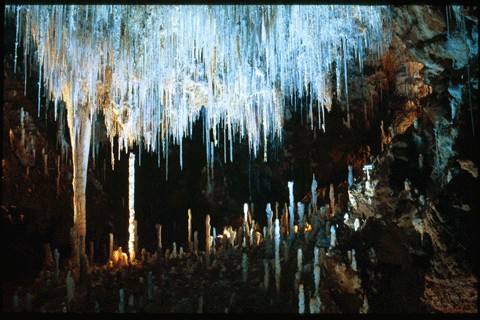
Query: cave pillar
80, 127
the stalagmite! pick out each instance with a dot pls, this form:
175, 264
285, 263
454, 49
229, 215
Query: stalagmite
291, 209
301, 300
70, 286
158, 227
195, 243
269, 222
56, 271
131, 302
131, 207
299, 259
174, 251
350, 175
207, 234
354, 261
28, 302
356, 224
332, 199
245, 224
15, 303
80, 125
276, 232
364, 308
333, 237
314, 305
316, 252
121, 302
316, 278
314, 194
45, 165
190, 243
301, 218
297, 281
200, 304
110, 246
48, 262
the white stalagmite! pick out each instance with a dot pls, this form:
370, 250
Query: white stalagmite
314, 193
190, 243
213, 239
290, 193
195, 242
301, 299
79, 118
346, 217
207, 234
174, 251
356, 224
316, 278
354, 261
70, 286
333, 237
313, 305
316, 252
278, 268
131, 207
245, 224
365, 307
350, 175
131, 301
301, 217
158, 226
121, 302
269, 221
291, 208
299, 259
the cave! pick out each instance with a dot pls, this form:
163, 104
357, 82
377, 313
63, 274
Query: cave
297, 158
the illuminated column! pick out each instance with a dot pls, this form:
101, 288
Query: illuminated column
278, 268
245, 224
291, 208
190, 244
158, 226
207, 233
131, 207
80, 125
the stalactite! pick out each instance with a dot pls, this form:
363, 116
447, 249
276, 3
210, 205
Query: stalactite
328, 34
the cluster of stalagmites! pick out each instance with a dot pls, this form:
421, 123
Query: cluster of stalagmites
285, 260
